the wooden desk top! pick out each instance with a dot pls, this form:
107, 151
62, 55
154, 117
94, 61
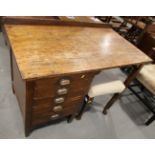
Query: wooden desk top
51, 50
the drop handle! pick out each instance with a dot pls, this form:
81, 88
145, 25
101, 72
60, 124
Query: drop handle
57, 108
64, 82
55, 116
62, 91
59, 100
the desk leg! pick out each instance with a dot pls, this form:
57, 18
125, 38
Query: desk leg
70, 118
84, 105
87, 101
11, 67
129, 79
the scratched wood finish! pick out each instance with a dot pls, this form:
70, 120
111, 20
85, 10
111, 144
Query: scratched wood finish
52, 50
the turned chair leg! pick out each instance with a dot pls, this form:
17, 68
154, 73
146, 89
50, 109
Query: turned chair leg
87, 101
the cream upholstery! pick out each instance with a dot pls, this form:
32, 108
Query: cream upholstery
147, 77
106, 88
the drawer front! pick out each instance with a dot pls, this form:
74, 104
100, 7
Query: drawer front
44, 106
50, 116
62, 85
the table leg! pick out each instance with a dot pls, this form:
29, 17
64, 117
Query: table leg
129, 79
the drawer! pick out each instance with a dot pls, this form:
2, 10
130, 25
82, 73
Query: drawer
80, 86
72, 77
49, 117
46, 105
48, 87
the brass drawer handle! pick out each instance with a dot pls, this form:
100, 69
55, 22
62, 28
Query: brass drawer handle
62, 91
55, 116
59, 100
64, 82
57, 108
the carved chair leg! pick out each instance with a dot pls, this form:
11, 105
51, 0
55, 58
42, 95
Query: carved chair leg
87, 101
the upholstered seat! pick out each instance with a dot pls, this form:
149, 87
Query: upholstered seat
106, 88
147, 77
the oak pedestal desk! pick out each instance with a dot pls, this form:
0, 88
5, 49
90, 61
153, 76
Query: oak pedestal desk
52, 66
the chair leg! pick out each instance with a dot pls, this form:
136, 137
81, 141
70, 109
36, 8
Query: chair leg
83, 108
150, 120
111, 102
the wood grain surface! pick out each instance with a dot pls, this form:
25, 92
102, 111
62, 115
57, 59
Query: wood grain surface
52, 50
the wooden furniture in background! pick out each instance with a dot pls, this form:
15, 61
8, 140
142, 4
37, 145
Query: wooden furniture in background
53, 65
144, 85
147, 44
139, 25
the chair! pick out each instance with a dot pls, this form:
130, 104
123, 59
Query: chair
144, 85
147, 77
101, 89
144, 89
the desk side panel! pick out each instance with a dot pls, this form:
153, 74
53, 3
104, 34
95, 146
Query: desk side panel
19, 86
